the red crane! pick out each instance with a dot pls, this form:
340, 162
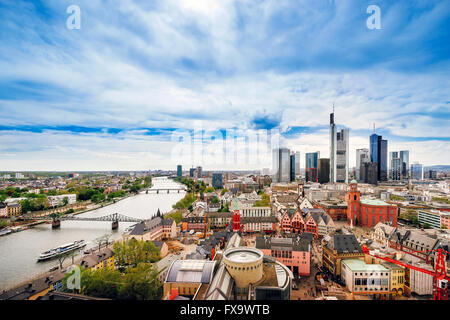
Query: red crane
440, 278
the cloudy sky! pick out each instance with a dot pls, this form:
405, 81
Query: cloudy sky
139, 78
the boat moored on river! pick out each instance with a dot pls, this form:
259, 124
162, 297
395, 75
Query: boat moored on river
55, 252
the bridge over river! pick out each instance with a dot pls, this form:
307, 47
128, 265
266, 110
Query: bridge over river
115, 218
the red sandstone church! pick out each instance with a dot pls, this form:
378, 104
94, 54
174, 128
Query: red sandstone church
368, 212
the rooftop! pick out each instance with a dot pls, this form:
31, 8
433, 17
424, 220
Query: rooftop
374, 202
243, 255
359, 265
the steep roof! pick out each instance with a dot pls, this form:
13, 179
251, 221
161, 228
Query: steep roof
146, 226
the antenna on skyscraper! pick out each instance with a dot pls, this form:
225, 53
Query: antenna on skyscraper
374, 127
333, 106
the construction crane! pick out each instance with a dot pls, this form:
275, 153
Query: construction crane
440, 278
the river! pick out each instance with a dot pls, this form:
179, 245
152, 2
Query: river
19, 251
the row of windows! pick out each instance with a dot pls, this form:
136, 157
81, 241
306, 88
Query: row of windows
244, 268
371, 281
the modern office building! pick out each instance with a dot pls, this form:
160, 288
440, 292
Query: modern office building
339, 153
342, 155
362, 156
312, 166
292, 168
378, 155
369, 173
417, 171
281, 164
191, 172
324, 170
295, 165
199, 172
179, 170
217, 181
395, 168
404, 162
332, 148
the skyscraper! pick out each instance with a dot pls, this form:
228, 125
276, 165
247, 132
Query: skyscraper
383, 168
362, 156
179, 170
292, 168
417, 171
311, 166
378, 155
281, 164
199, 172
297, 163
342, 156
217, 181
324, 170
404, 163
394, 166
338, 152
332, 148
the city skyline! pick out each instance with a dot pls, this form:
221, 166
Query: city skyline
110, 95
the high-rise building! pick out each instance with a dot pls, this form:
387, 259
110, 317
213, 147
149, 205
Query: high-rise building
199, 172
281, 164
191, 172
395, 166
339, 155
342, 156
292, 168
404, 162
378, 155
383, 164
362, 156
217, 181
179, 170
324, 170
332, 148
417, 171
294, 165
369, 172
312, 166
297, 163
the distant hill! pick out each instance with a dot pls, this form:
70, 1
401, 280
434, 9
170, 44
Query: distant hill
438, 168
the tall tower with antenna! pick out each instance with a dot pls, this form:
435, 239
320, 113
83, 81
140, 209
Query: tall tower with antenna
332, 148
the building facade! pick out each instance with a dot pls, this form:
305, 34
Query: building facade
368, 212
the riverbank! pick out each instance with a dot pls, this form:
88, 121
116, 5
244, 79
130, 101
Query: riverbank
26, 226
19, 251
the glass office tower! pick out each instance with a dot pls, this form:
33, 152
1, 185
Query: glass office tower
311, 166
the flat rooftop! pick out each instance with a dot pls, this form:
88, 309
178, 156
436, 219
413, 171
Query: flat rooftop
359, 265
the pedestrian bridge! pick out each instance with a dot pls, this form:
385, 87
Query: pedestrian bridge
115, 218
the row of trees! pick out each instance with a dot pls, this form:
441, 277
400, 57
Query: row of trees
186, 202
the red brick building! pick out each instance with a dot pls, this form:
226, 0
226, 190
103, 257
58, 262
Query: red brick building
368, 212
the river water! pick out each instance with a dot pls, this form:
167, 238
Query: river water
19, 251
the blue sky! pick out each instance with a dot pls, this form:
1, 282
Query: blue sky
111, 95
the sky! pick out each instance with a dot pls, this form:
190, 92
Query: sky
152, 84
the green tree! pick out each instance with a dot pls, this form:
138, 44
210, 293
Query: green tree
133, 252
141, 283
177, 216
224, 191
264, 202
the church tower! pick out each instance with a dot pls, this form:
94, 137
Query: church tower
353, 204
